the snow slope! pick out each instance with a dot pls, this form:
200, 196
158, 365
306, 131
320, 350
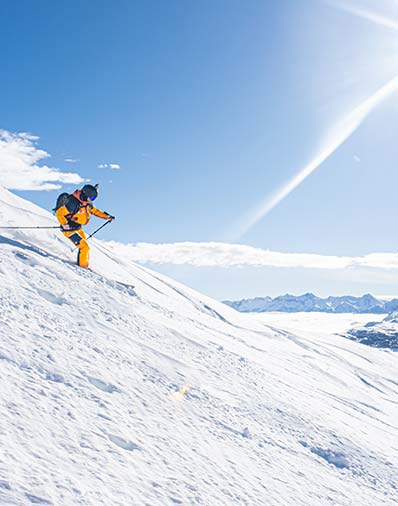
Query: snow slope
330, 323
90, 367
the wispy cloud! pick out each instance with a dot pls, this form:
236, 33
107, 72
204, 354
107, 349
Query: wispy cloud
72, 160
363, 12
20, 167
336, 137
113, 166
225, 255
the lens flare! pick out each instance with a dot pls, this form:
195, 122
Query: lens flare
179, 396
370, 64
337, 136
364, 13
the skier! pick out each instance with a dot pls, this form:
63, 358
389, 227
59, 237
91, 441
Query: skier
73, 211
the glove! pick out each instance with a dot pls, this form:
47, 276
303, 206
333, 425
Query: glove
111, 218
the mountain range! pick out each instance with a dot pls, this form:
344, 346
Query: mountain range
311, 303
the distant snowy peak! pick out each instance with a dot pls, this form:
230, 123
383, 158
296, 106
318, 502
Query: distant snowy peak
311, 303
393, 317
382, 334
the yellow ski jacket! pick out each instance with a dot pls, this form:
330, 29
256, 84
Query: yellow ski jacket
75, 213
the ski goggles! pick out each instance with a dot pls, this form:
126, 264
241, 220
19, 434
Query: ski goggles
91, 199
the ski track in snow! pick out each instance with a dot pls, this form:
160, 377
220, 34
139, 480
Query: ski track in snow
90, 363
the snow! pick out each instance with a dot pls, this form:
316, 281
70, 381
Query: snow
91, 364
315, 323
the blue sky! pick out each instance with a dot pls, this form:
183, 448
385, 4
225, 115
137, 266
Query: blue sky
208, 107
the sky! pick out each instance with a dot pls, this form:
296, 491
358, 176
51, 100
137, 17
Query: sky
270, 125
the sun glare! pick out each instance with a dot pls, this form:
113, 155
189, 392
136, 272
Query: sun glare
376, 62
365, 13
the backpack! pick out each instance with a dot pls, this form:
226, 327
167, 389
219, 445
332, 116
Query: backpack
61, 200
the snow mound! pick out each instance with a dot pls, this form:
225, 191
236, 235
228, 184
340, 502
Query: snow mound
91, 364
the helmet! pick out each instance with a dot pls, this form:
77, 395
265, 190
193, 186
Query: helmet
89, 193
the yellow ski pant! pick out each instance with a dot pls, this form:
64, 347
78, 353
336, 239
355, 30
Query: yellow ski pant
79, 239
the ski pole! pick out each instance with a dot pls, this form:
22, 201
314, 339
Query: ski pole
3, 228
98, 229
